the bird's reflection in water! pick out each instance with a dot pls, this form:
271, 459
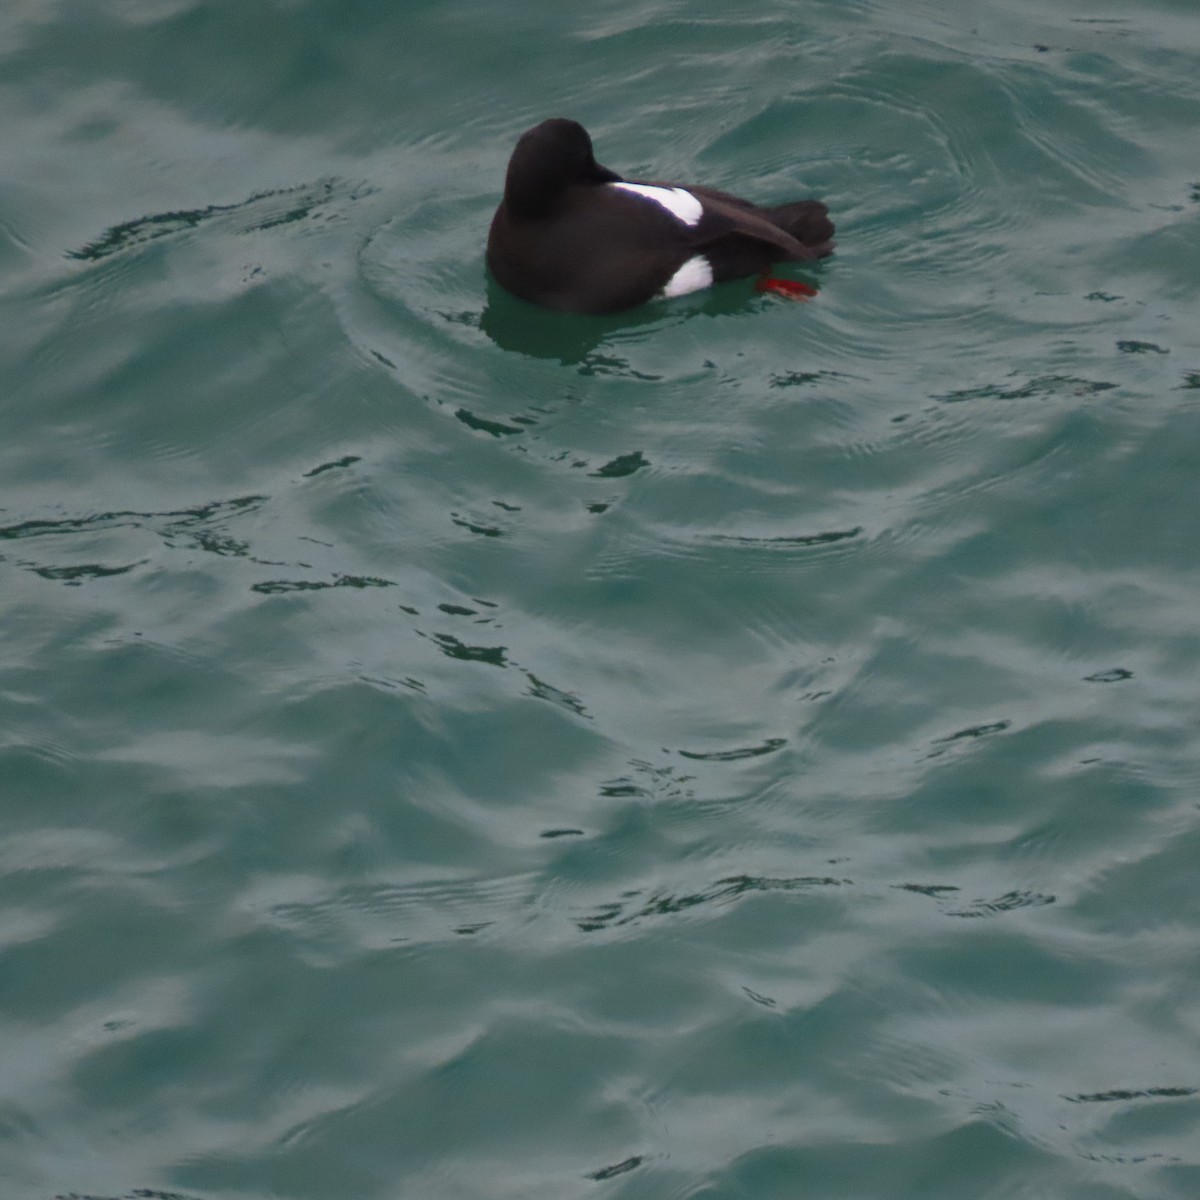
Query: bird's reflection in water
591, 343
541, 333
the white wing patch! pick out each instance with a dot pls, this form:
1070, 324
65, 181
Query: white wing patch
695, 274
679, 202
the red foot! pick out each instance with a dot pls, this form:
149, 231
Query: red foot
793, 289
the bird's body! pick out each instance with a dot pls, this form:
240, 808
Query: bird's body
573, 235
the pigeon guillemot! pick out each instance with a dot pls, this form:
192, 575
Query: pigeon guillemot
573, 235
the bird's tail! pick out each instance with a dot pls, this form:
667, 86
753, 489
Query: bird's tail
807, 221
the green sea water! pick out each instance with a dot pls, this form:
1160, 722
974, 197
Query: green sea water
735, 750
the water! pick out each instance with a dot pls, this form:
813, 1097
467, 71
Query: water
739, 749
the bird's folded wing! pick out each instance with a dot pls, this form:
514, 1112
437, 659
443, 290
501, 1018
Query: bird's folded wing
727, 217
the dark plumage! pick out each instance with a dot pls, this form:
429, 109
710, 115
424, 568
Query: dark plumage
564, 237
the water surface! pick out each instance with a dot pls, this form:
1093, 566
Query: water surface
737, 750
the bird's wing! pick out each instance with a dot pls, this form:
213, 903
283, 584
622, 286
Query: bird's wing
727, 216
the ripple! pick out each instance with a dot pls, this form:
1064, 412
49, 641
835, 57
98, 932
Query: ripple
969, 734
800, 539
1003, 904
496, 656
621, 1168
277, 587
135, 1194
736, 755
1121, 1094
380, 914
622, 465
201, 528
633, 908
1112, 675
262, 211
339, 464
1046, 385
